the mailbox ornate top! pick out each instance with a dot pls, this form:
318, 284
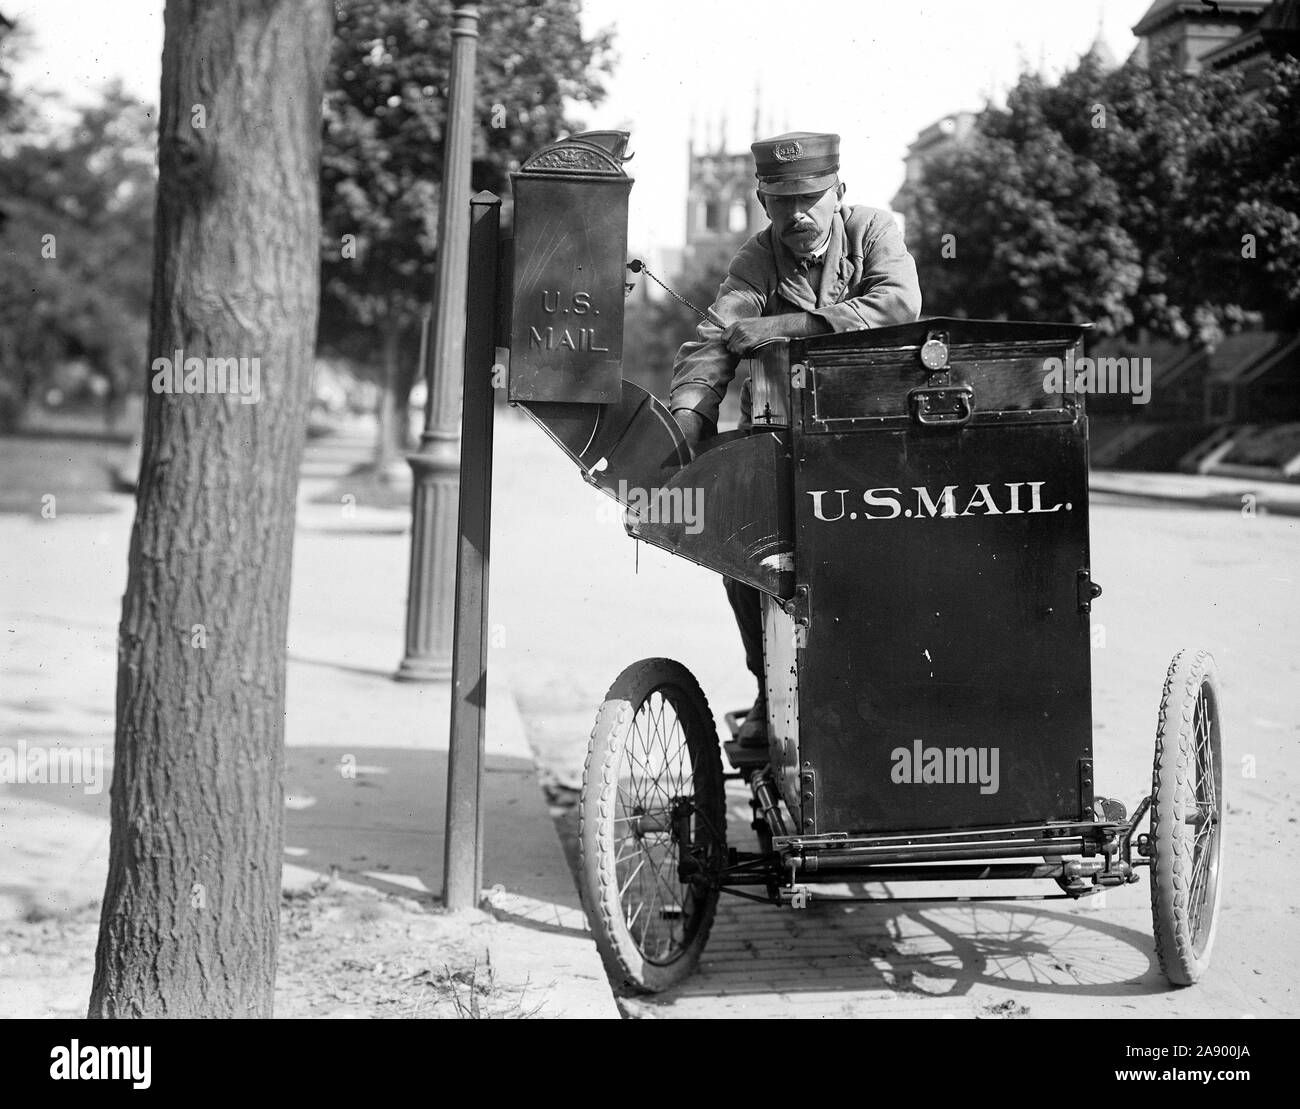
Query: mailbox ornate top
591, 152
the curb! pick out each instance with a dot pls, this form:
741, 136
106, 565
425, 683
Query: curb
1225, 496
550, 950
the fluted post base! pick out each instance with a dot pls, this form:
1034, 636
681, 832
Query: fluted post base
431, 590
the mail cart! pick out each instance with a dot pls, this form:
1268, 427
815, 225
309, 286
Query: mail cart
912, 504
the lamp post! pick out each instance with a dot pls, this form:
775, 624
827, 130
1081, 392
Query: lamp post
435, 466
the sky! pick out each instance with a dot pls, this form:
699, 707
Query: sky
875, 71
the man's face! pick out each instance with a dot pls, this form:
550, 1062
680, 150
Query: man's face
802, 221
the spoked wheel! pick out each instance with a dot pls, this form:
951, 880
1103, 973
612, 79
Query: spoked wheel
1187, 818
653, 825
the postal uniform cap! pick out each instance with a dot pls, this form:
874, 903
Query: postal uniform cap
797, 162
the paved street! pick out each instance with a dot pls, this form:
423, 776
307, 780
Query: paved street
570, 609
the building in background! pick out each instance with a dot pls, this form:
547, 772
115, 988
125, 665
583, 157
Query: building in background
722, 208
941, 136
1274, 34
1226, 34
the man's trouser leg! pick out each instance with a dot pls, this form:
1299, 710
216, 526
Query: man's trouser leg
745, 600
747, 606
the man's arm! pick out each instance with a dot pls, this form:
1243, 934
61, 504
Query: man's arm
704, 368
743, 335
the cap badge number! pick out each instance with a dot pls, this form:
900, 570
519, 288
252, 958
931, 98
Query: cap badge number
788, 152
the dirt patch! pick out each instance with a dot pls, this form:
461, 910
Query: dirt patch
344, 952
47, 964
1008, 1009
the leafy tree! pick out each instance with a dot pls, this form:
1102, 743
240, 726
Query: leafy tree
1132, 198
385, 110
13, 107
1243, 221
76, 248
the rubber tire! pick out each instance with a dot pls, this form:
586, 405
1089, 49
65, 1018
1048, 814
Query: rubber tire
625, 961
1182, 949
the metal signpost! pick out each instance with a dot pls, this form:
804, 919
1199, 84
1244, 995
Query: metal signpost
566, 334
463, 861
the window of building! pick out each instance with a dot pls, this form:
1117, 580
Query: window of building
739, 220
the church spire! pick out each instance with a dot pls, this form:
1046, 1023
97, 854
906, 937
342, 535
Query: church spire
1099, 52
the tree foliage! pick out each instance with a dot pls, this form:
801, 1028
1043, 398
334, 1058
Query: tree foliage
1130, 198
14, 109
76, 247
385, 111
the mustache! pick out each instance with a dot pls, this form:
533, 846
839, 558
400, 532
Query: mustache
800, 225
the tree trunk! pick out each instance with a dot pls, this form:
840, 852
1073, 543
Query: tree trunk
191, 909
392, 408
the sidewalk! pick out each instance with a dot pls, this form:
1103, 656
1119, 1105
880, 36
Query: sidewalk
366, 757
1200, 490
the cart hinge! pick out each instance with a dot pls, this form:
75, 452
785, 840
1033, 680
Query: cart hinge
1088, 589
808, 800
798, 608
1085, 791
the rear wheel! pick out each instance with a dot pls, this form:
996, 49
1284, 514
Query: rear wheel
653, 825
1187, 818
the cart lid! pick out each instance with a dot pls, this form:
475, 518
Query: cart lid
959, 332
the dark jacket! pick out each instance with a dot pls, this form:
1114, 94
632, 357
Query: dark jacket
867, 279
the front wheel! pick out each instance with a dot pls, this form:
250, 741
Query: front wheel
1187, 818
653, 827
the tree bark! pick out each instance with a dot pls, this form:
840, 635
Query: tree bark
408, 369
389, 434
191, 908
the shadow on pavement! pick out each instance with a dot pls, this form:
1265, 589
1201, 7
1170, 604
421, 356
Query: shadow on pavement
926, 951
375, 817
871, 957
378, 818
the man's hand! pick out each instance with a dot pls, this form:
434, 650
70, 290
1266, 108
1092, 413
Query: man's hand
695, 428
743, 335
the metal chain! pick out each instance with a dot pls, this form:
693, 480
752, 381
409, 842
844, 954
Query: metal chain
638, 266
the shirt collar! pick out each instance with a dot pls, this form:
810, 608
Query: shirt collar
815, 257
